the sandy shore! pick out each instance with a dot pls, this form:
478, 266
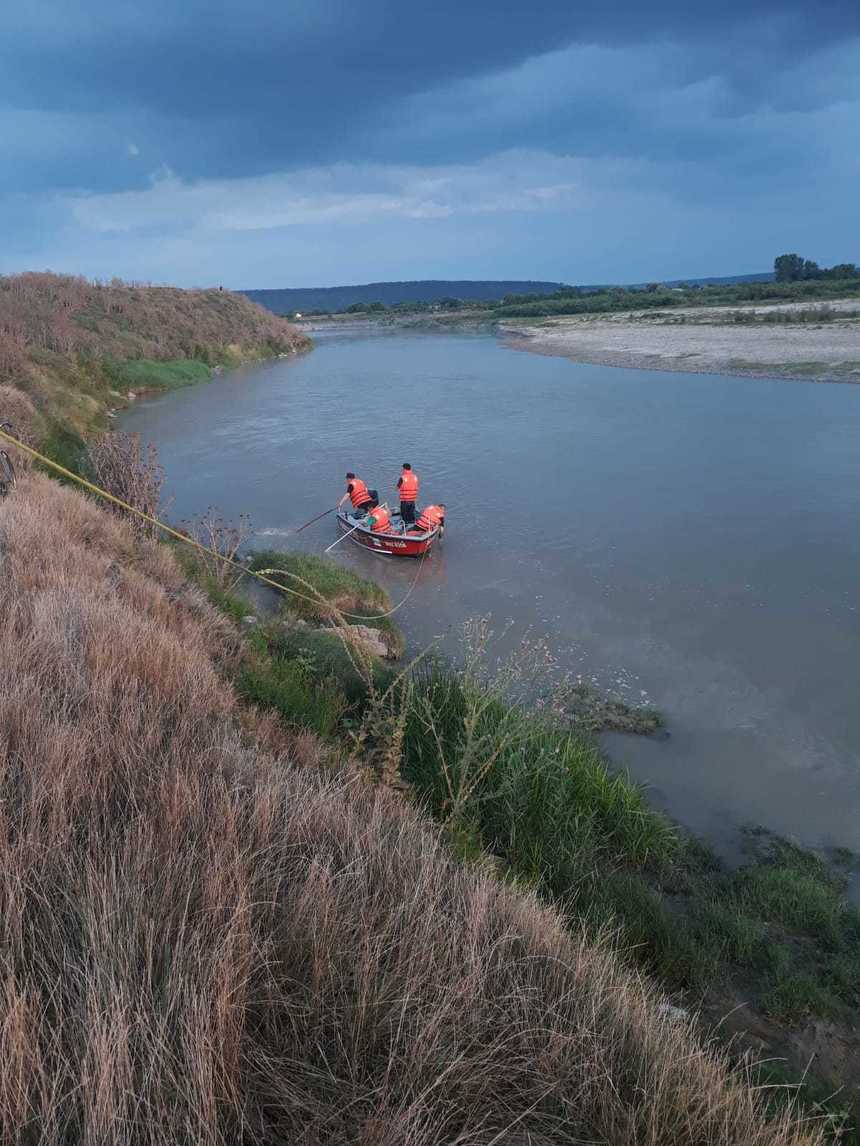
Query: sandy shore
705, 341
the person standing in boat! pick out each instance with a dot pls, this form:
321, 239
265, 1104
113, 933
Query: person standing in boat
408, 484
362, 498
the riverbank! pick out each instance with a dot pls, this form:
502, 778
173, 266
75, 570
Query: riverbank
765, 954
697, 920
801, 341
73, 351
191, 883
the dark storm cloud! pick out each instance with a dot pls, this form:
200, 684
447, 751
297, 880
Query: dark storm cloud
215, 89
265, 143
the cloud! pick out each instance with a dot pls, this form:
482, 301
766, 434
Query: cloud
514, 182
217, 89
306, 142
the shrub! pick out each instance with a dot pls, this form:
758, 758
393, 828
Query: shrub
27, 423
122, 466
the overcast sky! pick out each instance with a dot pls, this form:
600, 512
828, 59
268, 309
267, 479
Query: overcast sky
316, 142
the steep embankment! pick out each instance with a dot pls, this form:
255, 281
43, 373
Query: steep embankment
206, 936
77, 348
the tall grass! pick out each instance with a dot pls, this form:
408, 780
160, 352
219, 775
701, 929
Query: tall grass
529, 791
204, 943
326, 589
71, 345
148, 374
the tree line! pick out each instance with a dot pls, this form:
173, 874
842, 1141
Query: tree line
794, 268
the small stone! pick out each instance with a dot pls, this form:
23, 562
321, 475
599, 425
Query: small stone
370, 639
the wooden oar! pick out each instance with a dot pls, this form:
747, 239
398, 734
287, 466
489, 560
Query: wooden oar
317, 518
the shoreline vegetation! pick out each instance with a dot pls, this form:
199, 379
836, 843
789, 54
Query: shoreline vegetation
73, 351
766, 954
802, 341
200, 878
803, 329
229, 833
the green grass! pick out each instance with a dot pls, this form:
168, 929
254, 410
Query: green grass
327, 658
540, 800
540, 797
294, 690
781, 919
303, 673
567, 302
549, 809
148, 374
65, 447
335, 584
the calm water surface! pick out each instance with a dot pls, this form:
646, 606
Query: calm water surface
688, 539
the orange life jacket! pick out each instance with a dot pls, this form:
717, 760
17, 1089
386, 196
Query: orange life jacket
430, 517
380, 521
358, 494
408, 486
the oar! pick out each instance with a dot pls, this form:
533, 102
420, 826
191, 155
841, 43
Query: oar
342, 536
317, 518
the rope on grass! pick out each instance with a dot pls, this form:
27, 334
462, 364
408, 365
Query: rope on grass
363, 616
260, 575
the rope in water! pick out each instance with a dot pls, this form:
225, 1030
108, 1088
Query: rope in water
260, 575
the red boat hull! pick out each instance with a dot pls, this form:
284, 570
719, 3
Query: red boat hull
392, 544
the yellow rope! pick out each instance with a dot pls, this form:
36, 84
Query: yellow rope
183, 537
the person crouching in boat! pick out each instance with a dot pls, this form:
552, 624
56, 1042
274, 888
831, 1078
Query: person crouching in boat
379, 519
362, 498
430, 517
408, 484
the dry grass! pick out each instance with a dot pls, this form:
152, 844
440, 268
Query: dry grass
123, 466
72, 345
27, 423
202, 943
69, 315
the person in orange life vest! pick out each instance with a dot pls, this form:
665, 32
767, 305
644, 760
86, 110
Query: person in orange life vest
379, 520
362, 498
429, 518
408, 484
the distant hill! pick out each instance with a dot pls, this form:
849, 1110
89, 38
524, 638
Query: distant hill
337, 298
331, 299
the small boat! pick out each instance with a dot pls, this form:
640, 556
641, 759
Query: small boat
394, 544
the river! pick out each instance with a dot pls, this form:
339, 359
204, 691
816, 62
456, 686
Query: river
689, 540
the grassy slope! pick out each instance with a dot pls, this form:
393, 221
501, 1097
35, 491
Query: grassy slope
770, 949
76, 347
207, 935
776, 936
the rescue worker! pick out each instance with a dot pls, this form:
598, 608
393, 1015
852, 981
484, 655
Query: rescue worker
429, 518
408, 484
362, 498
379, 520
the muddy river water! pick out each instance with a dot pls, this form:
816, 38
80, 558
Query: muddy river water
689, 540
